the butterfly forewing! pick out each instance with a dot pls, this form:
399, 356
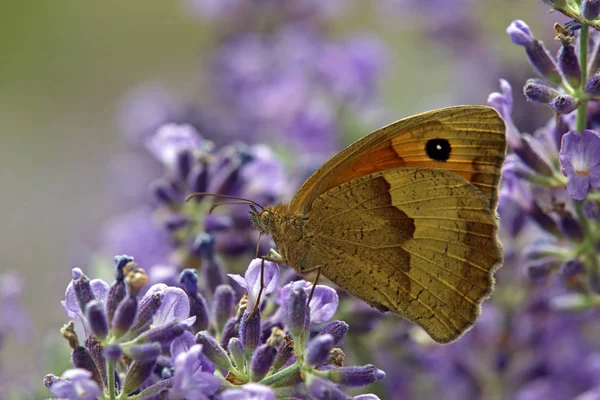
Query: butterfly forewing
416, 241
466, 140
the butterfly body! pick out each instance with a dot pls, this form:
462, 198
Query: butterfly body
404, 218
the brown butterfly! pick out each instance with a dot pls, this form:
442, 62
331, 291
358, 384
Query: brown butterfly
404, 218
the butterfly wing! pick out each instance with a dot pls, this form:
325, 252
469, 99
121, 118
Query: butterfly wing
416, 241
466, 140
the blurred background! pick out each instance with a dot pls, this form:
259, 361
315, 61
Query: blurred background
68, 68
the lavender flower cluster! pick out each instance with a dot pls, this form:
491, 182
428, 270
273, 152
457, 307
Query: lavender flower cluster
172, 343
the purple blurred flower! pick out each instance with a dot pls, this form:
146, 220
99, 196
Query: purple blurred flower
171, 139
13, 317
251, 280
191, 380
138, 234
74, 384
580, 161
249, 391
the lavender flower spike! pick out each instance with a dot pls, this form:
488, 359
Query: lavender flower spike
580, 161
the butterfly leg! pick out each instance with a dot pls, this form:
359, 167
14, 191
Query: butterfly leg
272, 256
314, 285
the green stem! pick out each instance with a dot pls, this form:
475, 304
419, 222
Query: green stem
581, 120
111, 380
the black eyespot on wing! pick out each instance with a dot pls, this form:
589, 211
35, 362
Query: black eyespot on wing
438, 149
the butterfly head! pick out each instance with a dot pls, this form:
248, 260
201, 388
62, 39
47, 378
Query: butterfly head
262, 219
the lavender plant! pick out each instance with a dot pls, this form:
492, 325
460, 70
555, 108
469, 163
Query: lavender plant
172, 343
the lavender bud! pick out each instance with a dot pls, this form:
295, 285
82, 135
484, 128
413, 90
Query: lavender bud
223, 306
317, 350
113, 352
189, 279
82, 358
540, 269
284, 353
163, 192
82, 288
146, 311
337, 329
564, 104
204, 246
175, 221
250, 332
592, 85
137, 374
183, 164
230, 330
591, 210
569, 64
539, 93
356, 376
144, 352
572, 269
199, 309
322, 389
124, 316
213, 350
298, 317
520, 34
590, 9
213, 275
96, 318
570, 227
164, 334
116, 294
261, 362
542, 62
198, 180
236, 351
214, 223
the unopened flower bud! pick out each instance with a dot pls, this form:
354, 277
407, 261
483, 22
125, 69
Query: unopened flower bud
250, 331
223, 306
213, 350
96, 318
592, 85
124, 316
356, 376
568, 62
337, 329
537, 92
261, 362
564, 104
236, 350
317, 350
590, 9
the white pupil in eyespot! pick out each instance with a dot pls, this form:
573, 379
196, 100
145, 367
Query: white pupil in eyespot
438, 147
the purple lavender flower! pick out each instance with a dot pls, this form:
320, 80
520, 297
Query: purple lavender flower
190, 380
252, 280
249, 391
580, 161
74, 384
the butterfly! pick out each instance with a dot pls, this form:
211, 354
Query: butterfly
404, 219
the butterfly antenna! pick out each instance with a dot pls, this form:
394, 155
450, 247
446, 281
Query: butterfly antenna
225, 196
228, 202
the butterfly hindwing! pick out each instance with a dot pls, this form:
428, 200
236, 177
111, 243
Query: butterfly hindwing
417, 241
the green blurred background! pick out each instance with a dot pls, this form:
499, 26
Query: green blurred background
65, 65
